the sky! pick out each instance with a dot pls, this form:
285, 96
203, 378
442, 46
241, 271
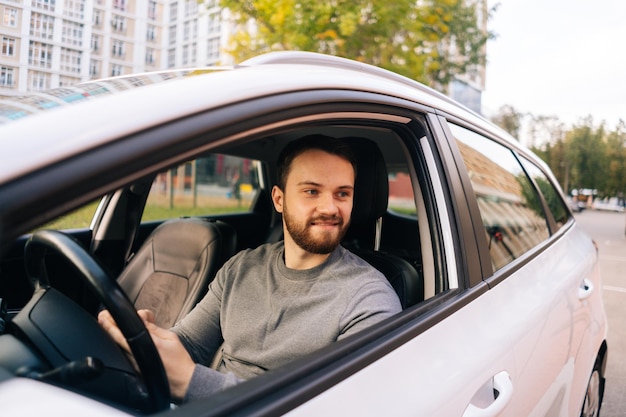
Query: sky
563, 58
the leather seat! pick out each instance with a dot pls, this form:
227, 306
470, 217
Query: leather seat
171, 271
371, 197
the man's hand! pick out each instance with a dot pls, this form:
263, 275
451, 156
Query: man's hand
178, 364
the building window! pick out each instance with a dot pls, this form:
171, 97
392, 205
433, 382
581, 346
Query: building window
213, 50
72, 33
95, 43
94, 68
9, 18
173, 11
152, 10
75, 8
38, 81
6, 76
185, 54
149, 56
70, 60
41, 25
194, 53
120, 5
40, 54
8, 46
151, 33
171, 58
118, 48
191, 8
172, 34
97, 18
214, 24
186, 30
118, 23
44, 4
116, 70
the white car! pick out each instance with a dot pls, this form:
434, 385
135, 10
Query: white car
502, 308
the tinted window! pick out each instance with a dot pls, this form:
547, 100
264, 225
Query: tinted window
550, 194
510, 208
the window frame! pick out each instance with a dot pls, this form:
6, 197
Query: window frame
493, 278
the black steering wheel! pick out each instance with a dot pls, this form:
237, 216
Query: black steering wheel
112, 297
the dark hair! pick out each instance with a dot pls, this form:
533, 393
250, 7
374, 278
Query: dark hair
324, 143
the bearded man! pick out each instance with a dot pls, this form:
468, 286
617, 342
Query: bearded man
270, 305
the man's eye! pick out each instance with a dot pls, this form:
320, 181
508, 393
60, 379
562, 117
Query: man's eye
343, 194
311, 192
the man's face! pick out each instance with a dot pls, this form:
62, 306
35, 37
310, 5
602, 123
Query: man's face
317, 200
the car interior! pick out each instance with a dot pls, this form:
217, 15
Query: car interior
165, 236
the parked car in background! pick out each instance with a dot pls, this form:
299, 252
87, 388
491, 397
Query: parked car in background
608, 204
500, 288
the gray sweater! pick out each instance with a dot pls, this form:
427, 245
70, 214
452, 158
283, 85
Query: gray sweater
268, 315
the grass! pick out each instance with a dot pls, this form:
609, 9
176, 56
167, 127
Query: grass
157, 208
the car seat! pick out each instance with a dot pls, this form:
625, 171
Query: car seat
371, 197
172, 269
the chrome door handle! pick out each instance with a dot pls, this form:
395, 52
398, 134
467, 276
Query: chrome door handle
586, 289
502, 387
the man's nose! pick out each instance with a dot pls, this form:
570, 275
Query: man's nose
327, 204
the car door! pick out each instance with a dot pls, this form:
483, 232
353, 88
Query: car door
539, 264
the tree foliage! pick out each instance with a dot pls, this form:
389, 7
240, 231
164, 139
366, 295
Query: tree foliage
431, 41
581, 156
509, 119
588, 156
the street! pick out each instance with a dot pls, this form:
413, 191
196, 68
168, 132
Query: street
607, 229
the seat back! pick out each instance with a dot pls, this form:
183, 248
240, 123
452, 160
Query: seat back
171, 271
371, 197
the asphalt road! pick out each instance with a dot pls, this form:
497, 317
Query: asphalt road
608, 229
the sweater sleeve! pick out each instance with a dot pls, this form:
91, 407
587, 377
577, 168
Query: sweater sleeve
374, 302
206, 381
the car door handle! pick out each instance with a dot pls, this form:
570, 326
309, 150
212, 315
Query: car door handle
502, 392
585, 289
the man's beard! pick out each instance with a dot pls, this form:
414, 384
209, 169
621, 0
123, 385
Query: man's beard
302, 235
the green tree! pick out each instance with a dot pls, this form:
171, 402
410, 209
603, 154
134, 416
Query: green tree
586, 153
615, 165
431, 41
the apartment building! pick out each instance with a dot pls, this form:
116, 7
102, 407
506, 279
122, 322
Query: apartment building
56, 43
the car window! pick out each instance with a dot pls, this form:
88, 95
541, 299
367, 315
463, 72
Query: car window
401, 197
550, 194
214, 184
77, 219
510, 208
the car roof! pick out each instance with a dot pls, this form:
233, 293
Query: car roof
57, 132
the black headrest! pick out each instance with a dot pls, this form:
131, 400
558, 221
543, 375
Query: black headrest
371, 187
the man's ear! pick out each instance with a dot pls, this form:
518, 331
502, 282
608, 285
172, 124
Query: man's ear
278, 198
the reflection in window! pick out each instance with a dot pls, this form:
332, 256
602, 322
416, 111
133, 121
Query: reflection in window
510, 208
550, 194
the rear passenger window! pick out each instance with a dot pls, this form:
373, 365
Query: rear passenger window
401, 197
550, 194
510, 208
215, 184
